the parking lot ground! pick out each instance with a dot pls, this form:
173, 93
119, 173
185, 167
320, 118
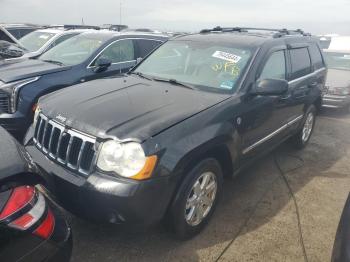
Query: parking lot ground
257, 217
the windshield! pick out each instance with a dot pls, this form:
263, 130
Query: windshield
35, 40
74, 50
338, 60
209, 66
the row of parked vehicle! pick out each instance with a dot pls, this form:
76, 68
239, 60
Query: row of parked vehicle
135, 128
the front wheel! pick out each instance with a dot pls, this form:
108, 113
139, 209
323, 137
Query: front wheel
196, 199
301, 139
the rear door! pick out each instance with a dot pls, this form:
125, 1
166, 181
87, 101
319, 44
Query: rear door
303, 80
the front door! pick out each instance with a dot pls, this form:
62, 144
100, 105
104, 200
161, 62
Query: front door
265, 120
121, 53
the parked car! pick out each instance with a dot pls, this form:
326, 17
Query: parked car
10, 50
40, 41
158, 141
341, 247
13, 32
337, 92
82, 58
114, 27
32, 228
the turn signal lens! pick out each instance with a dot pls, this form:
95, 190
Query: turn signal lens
147, 170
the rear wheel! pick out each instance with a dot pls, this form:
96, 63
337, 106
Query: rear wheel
196, 199
301, 139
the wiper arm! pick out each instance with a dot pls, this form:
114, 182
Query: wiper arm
141, 75
54, 62
174, 82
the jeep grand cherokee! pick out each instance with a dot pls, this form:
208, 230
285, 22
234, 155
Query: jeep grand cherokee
157, 143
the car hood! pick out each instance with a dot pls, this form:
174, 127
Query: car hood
20, 69
338, 78
13, 158
126, 107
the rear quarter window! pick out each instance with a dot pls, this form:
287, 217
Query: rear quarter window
301, 62
316, 57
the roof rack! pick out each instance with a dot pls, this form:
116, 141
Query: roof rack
71, 27
278, 32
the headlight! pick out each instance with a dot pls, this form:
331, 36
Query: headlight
13, 89
126, 159
36, 115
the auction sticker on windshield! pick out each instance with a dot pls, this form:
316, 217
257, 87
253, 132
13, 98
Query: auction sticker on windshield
227, 56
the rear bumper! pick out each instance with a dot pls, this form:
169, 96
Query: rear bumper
61, 238
335, 101
104, 198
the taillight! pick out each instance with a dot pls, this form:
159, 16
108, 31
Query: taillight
26, 209
20, 197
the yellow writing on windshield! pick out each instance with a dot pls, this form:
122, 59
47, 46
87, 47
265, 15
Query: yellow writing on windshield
228, 67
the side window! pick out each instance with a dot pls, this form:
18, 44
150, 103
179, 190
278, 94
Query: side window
5, 37
14, 32
60, 40
146, 46
301, 63
275, 66
316, 57
120, 51
25, 31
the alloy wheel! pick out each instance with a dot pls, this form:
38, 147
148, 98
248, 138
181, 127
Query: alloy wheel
201, 198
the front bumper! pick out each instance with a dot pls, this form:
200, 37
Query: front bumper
105, 198
335, 101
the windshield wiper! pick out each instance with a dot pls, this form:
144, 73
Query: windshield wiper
54, 62
174, 82
141, 75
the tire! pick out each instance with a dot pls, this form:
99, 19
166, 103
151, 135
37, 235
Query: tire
302, 138
183, 217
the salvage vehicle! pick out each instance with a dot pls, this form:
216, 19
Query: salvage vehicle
157, 142
82, 58
32, 228
13, 32
113, 27
337, 91
40, 41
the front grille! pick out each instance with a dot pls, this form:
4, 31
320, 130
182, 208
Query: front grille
66, 147
4, 102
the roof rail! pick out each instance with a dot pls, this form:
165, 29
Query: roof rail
278, 32
71, 27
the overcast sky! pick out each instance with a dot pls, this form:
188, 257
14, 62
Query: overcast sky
317, 16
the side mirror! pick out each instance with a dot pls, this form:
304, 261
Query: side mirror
270, 87
102, 64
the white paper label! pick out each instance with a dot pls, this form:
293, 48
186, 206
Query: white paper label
227, 56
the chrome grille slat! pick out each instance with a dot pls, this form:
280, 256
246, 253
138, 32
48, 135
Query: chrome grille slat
67, 147
4, 102
82, 148
44, 136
